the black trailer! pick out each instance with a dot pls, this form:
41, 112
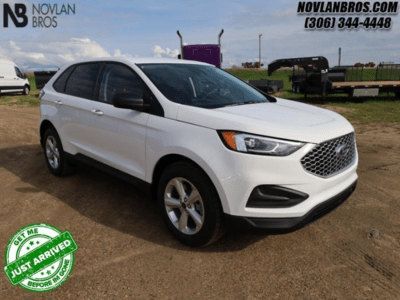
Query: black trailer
267, 86
312, 75
42, 77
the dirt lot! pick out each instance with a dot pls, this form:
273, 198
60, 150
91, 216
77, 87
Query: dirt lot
126, 252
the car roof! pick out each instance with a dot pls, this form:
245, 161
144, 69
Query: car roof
141, 60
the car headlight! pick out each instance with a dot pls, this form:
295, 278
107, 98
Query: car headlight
243, 142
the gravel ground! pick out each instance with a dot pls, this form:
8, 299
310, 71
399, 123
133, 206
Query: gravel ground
126, 252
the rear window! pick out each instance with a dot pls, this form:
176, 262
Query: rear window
59, 85
82, 80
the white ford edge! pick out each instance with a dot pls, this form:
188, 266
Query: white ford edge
215, 151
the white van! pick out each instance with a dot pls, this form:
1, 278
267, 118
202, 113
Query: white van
12, 80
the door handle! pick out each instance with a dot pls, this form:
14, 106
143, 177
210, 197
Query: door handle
58, 102
97, 112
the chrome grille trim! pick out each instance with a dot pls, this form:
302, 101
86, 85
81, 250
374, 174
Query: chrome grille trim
324, 161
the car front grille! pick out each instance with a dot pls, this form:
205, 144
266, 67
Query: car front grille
331, 157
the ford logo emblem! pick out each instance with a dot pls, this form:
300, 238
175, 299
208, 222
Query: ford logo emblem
342, 150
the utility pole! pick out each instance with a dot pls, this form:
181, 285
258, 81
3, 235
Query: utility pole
260, 50
340, 53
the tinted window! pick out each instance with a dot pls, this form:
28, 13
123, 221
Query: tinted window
118, 78
200, 85
59, 85
82, 80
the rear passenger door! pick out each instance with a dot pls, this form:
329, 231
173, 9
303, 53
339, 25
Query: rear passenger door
119, 135
74, 103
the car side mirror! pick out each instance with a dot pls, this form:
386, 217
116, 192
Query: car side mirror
130, 101
24, 76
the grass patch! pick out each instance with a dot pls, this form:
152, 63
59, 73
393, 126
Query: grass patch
368, 74
256, 75
371, 111
18, 99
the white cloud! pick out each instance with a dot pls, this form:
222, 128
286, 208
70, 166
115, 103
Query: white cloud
36, 55
172, 53
30, 55
14, 46
160, 52
83, 48
85, 40
157, 51
67, 57
117, 53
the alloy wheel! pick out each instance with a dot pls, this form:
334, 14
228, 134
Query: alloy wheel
184, 206
52, 152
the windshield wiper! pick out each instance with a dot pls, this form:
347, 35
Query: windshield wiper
242, 103
232, 104
251, 102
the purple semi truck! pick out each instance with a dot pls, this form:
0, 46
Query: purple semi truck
205, 53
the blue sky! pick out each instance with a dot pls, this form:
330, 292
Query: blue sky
148, 28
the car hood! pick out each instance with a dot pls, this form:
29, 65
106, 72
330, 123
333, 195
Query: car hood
282, 119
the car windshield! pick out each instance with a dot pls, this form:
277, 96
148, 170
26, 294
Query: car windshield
200, 85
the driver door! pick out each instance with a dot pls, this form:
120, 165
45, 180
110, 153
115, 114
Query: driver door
120, 133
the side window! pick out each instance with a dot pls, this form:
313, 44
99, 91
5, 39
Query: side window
59, 85
18, 72
118, 78
82, 80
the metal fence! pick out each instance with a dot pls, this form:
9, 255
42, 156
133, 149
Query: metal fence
388, 72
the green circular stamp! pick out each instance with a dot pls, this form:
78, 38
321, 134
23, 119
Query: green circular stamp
40, 257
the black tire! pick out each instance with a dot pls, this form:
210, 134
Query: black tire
26, 90
212, 227
62, 168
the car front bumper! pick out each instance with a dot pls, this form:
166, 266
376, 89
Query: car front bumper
285, 225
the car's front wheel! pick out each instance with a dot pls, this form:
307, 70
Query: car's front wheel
189, 205
26, 90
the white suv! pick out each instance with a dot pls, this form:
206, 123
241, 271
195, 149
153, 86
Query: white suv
215, 151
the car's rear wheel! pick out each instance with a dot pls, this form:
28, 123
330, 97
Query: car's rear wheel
54, 153
189, 205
